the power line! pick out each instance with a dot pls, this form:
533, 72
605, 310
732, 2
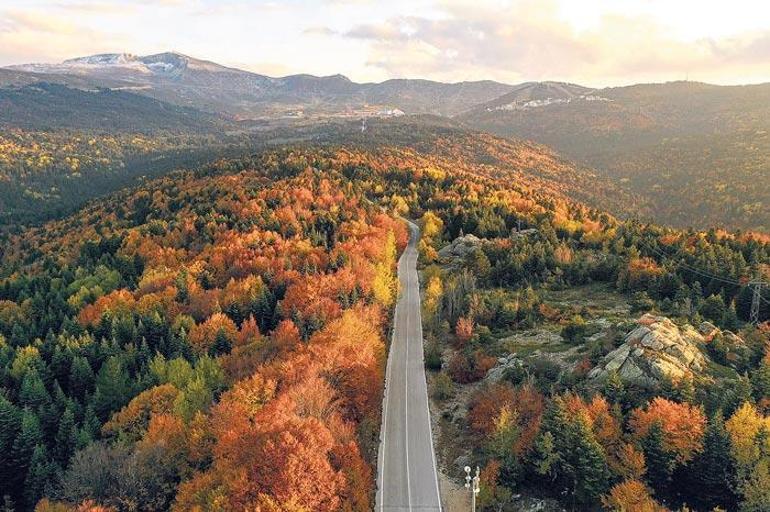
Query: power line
692, 269
756, 297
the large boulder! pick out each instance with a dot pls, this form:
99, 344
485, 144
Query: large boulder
656, 349
454, 254
497, 373
460, 247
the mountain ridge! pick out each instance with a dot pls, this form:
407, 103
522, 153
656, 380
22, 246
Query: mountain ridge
212, 87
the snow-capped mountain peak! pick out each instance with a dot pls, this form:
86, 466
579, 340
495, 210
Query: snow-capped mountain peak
103, 59
161, 63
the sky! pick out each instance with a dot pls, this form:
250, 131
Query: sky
591, 42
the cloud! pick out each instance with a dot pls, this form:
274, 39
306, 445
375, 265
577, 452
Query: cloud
320, 31
595, 42
26, 35
16, 20
513, 41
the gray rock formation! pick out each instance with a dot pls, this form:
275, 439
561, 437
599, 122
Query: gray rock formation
458, 249
504, 364
454, 254
657, 348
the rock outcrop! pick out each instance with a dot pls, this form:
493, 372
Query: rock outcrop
454, 254
460, 246
496, 373
656, 349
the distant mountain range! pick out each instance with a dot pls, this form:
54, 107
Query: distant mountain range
210, 87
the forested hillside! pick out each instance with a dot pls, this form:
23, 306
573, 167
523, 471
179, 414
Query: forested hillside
44, 174
695, 152
442, 142
49, 106
61, 146
216, 338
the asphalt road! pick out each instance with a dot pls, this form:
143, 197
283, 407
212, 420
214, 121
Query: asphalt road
406, 469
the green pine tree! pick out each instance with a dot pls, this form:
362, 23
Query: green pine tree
33, 392
588, 464
730, 318
81, 377
614, 389
660, 463
760, 381
66, 438
40, 472
578, 461
711, 478
112, 388
22, 450
10, 425
222, 344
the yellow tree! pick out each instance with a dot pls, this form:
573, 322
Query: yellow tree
432, 226
385, 285
631, 496
433, 292
744, 426
399, 205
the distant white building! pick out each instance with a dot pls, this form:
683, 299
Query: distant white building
392, 112
522, 105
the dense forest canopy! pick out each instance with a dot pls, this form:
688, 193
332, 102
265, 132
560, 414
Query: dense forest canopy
231, 323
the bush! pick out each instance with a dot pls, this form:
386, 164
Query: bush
545, 372
516, 375
433, 355
641, 302
483, 335
575, 330
442, 387
470, 366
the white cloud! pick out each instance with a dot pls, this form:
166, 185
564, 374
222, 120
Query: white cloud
536, 40
596, 42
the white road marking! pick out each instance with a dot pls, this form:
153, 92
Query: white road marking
427, 405
406, 388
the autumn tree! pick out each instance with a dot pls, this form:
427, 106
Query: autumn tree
385, 284
682, 426
631, 495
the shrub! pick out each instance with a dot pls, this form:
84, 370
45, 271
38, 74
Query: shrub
470, 366
442, 386
433, 355
575, 330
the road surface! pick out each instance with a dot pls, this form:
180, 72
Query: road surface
406, 464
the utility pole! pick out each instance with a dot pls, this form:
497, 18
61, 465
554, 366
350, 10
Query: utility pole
472, 483
755, 300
